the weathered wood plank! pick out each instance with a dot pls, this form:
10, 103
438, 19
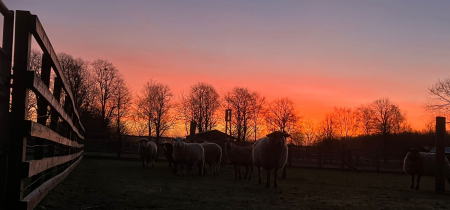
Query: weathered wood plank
37, 166
36, 84
41, 131
5, 80
19, 110
42, 39
33, 199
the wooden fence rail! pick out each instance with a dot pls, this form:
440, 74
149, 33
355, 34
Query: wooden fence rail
54, 138
343, 158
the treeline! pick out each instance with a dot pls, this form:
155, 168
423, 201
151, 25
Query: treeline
108, 108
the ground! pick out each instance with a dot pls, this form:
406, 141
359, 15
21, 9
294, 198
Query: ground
113, 184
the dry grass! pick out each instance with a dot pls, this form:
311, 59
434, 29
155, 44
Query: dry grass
112, 184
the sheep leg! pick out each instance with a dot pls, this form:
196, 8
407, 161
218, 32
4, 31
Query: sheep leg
184, 167
259, 173
175, 168
143, 162
153, 162
251, 171
235, 172
275, 178
418, 180
246, 172
268, 179
412, 181
239, 171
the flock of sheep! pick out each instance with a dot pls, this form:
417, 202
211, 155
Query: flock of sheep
269, 153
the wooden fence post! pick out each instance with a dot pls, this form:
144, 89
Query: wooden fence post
19, 111
349, 159
439, 182
5, 80
378, 160
343, 157
192, 131
320, 157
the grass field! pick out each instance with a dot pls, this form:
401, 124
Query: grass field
112, 184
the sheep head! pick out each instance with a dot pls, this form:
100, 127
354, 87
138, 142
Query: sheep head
179, 142
228, 143
143, 142
413, 154
277, 138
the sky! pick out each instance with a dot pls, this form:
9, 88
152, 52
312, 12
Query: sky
318, 53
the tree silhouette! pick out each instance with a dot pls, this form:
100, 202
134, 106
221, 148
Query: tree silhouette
388, 118
106, 80
281, 116
200, 105
156, 104
439, 97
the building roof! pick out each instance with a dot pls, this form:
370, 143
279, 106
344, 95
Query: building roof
212, 135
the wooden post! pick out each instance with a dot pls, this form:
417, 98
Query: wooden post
53, 123
5, 80
19, 111
320, 157
192, 131
439, 182
349, 159
42, 115
290, 151
343, 157
378, 161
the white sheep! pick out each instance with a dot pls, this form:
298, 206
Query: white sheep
213, 155
270, 153
239, 156
188, 154
147, 150
422, 164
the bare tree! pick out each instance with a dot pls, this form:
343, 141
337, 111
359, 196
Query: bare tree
79, 78
309, 130
240, 101
200, 105
281, 116
365, 118
106, 80
346, 125
123, 101
258, 105
298, 138
327, 127
439, 97
156, 102
388, 118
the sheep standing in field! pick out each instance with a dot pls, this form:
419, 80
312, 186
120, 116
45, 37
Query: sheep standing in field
188, 154
422, 164
239, 156
167, 149
213, 155
147, 150
270, 153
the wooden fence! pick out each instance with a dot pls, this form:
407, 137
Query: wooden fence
54, 138
343, 158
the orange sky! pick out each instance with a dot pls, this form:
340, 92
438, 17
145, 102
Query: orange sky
319, 54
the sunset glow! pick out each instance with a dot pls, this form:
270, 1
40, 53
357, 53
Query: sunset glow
320, 54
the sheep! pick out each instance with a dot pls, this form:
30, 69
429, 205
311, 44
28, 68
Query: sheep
188, 154
167, 149
147, 150
213, 155
270, 153
239, 156
422, 164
